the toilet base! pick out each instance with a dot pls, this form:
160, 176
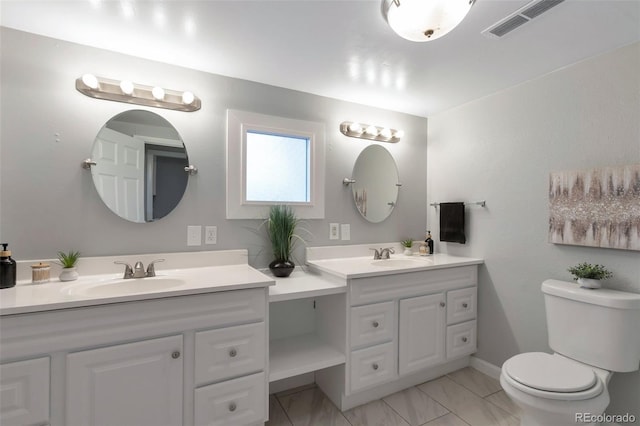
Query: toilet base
544, 412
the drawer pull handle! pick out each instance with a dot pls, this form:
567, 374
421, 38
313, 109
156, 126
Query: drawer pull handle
175, 354
375, 366
465, 305
233, 352
464, 339
375, 324
232, 407
442, 304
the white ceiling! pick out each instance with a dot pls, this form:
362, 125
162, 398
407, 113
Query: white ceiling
339, 48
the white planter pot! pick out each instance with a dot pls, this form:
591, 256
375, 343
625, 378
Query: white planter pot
408, 251
68, 274
589, 283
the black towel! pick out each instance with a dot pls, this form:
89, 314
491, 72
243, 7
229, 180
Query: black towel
452, 222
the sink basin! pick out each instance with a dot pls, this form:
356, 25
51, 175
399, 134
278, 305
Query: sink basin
397, 263
121, 287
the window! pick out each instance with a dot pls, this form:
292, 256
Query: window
274, 160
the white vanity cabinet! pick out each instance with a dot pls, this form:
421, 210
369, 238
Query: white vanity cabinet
186, 360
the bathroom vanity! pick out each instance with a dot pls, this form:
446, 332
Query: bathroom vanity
193, 352
207, 339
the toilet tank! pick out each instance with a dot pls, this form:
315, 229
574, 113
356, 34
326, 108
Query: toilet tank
598, 327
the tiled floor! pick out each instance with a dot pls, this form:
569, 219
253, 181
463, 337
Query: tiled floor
462, 398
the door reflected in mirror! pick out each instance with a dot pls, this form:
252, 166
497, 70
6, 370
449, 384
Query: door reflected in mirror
375, 190
139, 171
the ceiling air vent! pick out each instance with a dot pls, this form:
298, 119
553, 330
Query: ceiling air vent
520, 17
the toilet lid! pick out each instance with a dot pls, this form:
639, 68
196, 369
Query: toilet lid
550, 373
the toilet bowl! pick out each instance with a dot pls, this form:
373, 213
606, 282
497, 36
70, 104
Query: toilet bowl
593, 333
554, 390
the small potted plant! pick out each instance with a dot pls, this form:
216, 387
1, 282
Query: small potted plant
68, 262
588, 275
281, 230
407, 244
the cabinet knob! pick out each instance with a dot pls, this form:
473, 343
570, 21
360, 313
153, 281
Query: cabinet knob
232, 407
442, 304
233, 352
465, 305
375, 366
464, 339
375, 324
175, 354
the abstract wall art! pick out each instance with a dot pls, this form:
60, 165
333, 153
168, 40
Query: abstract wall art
596, 207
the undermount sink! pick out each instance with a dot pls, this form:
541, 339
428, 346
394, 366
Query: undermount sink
119, 287
396, 263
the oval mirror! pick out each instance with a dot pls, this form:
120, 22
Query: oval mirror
375, 190
139, 171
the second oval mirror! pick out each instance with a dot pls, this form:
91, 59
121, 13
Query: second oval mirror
139, 171
375, 190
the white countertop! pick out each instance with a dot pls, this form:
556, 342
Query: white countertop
365, 266
26, 297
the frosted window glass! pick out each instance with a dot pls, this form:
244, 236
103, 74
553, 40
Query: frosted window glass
277, 168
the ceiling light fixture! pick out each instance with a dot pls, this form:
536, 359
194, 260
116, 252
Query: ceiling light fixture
133, 93
424, 20
370, 132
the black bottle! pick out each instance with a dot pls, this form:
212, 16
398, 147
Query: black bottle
7, 268
429, 242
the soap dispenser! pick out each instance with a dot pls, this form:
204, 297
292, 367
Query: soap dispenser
7, 268
429, 242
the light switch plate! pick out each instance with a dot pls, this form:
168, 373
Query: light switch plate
345, 231
211, 235
334, 231
194, 235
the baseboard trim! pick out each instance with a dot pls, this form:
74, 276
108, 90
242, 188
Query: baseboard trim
485, 367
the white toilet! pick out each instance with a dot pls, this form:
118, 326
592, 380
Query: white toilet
593, 333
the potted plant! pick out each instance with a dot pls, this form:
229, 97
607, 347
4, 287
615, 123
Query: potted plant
68, 262
407, 244
281, 226
588, 275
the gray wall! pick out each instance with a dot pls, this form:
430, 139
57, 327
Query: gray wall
48, 203
501, 148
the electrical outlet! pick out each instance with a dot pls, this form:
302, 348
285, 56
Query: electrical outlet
194, 235
345, 231
210, 234
334, 231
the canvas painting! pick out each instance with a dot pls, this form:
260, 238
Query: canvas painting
596, 207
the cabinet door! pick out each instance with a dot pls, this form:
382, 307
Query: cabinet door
132, 384
422, 332
24, 392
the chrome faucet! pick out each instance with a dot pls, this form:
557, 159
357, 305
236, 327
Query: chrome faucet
138, 270
383, 253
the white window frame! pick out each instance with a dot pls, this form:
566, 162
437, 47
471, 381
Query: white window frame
238, 124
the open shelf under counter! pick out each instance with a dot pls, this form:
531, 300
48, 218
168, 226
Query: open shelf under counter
304, 284
297, 355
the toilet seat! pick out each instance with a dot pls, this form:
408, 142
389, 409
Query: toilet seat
551, 376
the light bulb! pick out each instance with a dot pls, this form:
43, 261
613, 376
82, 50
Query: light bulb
355, 128
385, 133
90, 80
398, 134
127, 87
158, 93
188, 98
371, 130
419, 20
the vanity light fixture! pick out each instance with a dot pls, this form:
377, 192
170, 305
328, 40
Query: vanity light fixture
133, 93
424, 20
371, 132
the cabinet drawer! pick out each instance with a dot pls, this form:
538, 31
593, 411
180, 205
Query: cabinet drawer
24, 392
461, 305
372, 366
234, 402
461, 339
372, 324
229, 352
